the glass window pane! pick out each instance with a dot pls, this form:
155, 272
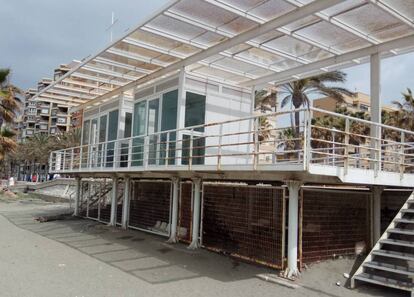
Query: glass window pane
168, 122
102, 128
113, 125
195, 110
140, 118
153, 110
112, 135
128, 125
169, 111
94, 131
85, 137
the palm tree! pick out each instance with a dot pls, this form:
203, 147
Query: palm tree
7, 143
9, 100
406, 110
299, 91
65, 140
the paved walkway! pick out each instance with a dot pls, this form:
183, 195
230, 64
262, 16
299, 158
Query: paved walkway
84, 258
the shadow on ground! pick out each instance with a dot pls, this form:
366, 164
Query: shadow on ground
149, 258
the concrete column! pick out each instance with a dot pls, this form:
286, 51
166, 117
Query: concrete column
195, 242
127, 199
78, 195
293, 228
114, 201
174, 220
375, 111
376, 213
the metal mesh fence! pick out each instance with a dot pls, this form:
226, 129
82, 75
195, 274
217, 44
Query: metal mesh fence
333, 221
150, 206
245, 221
185, 215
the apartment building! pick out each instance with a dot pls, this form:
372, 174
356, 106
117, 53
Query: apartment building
45, 115
360, 103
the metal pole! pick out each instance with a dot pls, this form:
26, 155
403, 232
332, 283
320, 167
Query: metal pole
77, 197
195, 243
174, 219
127, 197
114, 201
293, 227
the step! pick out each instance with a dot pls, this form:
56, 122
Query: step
405, 221
397, 242
382, 281
408, 210
392, 254
389, 267
401, 231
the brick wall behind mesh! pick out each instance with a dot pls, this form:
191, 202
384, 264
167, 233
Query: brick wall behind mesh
333, 222
150, 203
244, 221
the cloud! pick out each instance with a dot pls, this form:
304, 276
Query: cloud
47, 33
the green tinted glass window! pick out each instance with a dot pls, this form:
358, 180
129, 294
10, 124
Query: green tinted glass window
195, 110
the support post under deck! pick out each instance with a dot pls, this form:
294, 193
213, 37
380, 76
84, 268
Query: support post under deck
114, 201
195, 242
174, 214
293, 227
376, 213
77, 196
127, 199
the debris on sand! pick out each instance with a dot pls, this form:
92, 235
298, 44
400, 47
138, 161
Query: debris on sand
59, 217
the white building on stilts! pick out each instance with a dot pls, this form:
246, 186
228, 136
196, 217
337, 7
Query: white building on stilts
171, 146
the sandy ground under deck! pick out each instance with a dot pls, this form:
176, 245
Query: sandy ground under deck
84, 258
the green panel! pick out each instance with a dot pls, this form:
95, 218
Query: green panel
85, 131
198, 150
140, 118
128, 125
113, 125
169, 111
102, 128
112, 135
195, 110
168, 122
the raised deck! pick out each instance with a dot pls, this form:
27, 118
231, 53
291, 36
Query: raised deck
344, 153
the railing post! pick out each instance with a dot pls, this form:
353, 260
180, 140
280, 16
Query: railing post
64, 160
167, 149
71, 159
256, 143
219, 147
346, 149
129, 152
307, 154
146, 152
190, 154
402, 155
80, 157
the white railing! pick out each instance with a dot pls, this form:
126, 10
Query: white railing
322, 137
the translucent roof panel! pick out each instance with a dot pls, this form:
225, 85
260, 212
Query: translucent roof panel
238, 41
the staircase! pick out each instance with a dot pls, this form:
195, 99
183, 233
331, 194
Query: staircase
391, 261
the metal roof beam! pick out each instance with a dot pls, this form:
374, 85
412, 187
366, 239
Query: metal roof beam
77, 90
389, 9
57, 101
63, 98
344, 58
334, 21
108, 72
285, 31
110, 62
281, 21
86, 84
228, 35
55, 90
97, 79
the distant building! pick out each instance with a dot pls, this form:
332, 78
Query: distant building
360, 103
45, 116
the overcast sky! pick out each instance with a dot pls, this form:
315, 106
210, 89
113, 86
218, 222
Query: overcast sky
36, 36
